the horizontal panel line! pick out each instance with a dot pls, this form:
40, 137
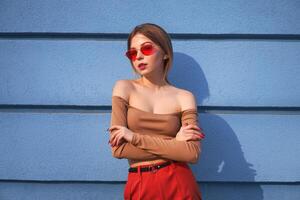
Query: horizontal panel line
123, 36
123, 182
107, 109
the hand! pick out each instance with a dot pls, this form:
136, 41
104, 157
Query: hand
190, 132
120, 135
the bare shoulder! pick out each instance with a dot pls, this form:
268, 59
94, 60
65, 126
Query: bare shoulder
187, 99
122, 88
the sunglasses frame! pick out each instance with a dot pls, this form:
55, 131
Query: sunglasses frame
133, 58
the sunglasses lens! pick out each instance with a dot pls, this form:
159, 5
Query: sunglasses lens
131, 54
147, 49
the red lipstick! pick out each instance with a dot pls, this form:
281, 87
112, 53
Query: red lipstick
142, 66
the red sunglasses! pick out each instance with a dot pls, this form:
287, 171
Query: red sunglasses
146, 49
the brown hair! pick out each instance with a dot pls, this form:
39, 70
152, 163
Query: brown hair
160, 37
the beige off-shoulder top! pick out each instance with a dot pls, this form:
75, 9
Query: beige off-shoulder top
155, 134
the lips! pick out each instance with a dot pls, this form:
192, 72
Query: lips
142, 65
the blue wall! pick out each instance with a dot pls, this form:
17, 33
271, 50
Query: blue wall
60, 59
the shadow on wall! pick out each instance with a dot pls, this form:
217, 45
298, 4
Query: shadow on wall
222, 159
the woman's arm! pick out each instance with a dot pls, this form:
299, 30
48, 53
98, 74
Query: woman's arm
129, 151
186, 151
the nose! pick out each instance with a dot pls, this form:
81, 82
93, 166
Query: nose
139, 55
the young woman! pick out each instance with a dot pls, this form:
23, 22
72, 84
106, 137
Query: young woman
154, 124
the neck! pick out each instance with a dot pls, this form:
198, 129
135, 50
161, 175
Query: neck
155, 83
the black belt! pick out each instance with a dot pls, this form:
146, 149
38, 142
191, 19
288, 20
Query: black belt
152, 168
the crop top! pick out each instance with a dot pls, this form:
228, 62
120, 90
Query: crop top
154, 134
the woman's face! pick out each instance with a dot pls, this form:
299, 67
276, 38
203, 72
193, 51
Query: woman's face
145, 64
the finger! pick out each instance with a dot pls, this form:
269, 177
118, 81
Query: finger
191, 126
110, 129
194, 126
186, 125
114, 127
199, 133
189, 131
113, 142
192, 131
113, 136
192, 136
118, 139
196, 137
200, 136
114, 131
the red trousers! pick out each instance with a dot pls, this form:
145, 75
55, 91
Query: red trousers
173, 182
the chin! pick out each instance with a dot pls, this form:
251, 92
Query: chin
145, 71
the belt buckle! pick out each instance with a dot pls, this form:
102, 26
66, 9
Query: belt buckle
152, 169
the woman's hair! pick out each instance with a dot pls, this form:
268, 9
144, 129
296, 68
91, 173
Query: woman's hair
160, 37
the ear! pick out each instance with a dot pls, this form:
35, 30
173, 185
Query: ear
166, 57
